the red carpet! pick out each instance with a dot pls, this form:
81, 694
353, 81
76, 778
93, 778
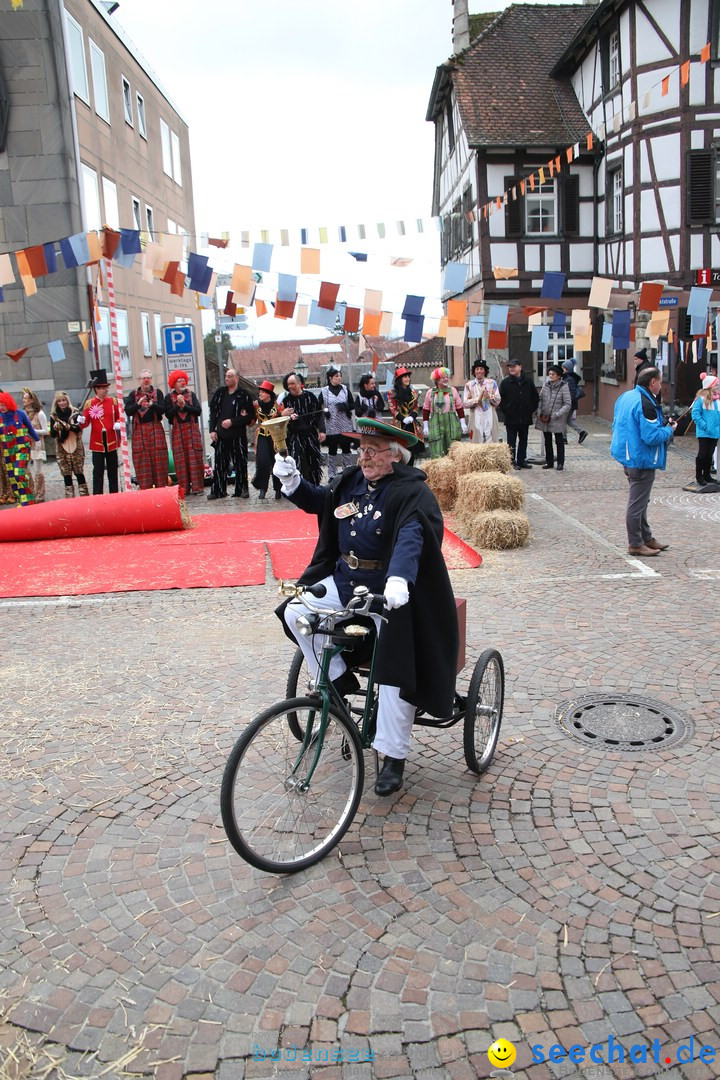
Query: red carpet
222, 551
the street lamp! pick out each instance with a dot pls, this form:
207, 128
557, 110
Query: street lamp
301, 368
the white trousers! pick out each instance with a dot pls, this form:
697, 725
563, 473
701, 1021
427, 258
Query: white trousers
395, 716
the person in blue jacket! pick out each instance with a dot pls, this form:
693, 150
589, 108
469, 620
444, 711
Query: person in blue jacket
639, 442
706, 414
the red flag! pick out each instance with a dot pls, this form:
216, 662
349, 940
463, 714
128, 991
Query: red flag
17, 354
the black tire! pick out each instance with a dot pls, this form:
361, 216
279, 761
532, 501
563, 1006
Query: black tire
483, 711
270, 820
299, 683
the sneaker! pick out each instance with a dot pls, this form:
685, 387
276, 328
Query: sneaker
582, 437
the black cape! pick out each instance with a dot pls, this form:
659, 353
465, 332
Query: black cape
418, 647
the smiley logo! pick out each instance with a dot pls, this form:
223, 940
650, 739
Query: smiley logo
502, 1053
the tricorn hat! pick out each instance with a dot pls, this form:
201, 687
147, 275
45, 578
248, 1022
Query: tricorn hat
368, 426
99, 378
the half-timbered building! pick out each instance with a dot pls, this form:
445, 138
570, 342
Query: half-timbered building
639, 204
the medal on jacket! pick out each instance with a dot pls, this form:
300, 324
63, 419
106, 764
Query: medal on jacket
346, 510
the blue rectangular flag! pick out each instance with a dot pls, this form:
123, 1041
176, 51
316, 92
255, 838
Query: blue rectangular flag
455, 277
553, 285
621, 330
413, 307
413, 327
540, 339
262, 254
476, 328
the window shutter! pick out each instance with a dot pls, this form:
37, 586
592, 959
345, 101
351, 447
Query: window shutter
605, 63
701, 187
519, 348
571, 205
513, 209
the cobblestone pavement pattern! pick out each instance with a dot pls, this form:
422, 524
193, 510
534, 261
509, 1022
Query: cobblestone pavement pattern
568, 895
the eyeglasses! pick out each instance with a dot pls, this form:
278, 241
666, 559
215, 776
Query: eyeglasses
370, 451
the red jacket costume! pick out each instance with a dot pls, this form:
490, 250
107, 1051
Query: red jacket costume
101, 416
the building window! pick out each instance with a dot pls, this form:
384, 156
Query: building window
450, 127
613, 60
78, 67
177, 170
91, 198
145, 321
105, 342
541, 209
158, 334
467, 205
99, 78
110, 202
137, 220
166, 151
127, 102
615, 197
142, 126
150, 222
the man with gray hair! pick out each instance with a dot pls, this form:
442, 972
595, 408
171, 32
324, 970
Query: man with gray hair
381, 527
639, 442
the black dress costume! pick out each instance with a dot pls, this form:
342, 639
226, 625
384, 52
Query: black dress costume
265, 450
302, 434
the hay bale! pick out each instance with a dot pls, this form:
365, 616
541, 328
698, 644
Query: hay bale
498, 529
442, 481
487, 491
481, 457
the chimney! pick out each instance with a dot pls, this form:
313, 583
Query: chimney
461, 26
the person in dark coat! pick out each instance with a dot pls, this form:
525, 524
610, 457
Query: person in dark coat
380, 526
266, 408
369, 401
306, 430
231, 411
518, 401
145, 406
641, 363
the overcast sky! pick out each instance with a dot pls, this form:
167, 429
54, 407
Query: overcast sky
305, 112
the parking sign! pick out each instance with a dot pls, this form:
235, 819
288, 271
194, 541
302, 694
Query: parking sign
179, 348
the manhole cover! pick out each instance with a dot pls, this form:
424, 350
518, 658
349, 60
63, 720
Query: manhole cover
630, 725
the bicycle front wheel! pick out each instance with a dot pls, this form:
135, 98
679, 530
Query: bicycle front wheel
277, 816
483, 711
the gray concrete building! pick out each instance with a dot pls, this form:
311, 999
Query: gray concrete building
92, 139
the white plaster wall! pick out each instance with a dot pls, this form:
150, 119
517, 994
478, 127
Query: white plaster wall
698, 25
552, 257
648, 211
715, 249
587, 219
670, 198
665, 151
649, 48
532, 257
696, 252
581, 258
496, 178
675, 248
503, 254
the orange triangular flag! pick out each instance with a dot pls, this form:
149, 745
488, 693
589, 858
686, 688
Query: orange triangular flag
260, 308
590, 140
557, 163
685, 73
531, 179
522, 187
541, 174
551, 167
498, 202
569, 154
665, 86
705, 53
84, 336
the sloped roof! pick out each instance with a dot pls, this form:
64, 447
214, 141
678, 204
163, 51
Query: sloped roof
275, 359
505, 93
428, 354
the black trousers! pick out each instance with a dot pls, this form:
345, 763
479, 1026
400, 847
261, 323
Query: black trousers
102, 460
229, 454
559, 444
704, 460
517, 435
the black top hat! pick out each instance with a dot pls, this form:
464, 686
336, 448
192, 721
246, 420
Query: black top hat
98, 378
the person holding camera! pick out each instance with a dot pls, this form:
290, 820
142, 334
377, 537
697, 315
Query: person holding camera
639, 442
338, 402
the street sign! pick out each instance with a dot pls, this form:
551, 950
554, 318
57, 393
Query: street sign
668, 301
708, 277
179, 348
230, 325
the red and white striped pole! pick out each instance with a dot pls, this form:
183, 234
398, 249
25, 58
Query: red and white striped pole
118, 374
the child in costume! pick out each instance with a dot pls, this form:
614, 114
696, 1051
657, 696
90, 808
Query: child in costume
38, 454
17, 437
66, 430
443, 415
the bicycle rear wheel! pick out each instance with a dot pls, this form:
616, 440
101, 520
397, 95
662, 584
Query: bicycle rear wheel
270, 819
483, 711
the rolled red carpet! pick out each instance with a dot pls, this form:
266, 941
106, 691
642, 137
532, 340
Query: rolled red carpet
157, 510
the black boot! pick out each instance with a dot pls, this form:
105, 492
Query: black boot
391, 776
261, 494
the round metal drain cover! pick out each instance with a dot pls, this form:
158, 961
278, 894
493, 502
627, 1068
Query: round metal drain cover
629, 725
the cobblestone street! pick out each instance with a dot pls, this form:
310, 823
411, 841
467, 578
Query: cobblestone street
568, 896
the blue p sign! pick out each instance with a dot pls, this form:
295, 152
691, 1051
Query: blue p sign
178, 340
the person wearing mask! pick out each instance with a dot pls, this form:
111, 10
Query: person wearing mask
338, 402
146, 407
306, 430
518, 401
232, 410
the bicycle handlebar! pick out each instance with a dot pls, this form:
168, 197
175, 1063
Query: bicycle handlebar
360, 603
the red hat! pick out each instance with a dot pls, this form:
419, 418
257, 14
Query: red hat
267, 385
399, 372
177, 374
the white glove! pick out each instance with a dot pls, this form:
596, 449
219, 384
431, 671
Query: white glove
82, 419
118, 426
287, 473
396, 592
463, 426
408, 421
426, 428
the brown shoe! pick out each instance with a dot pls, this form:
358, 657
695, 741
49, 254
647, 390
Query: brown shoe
645, 551
656, 546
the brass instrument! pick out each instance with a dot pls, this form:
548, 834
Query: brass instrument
277, 430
